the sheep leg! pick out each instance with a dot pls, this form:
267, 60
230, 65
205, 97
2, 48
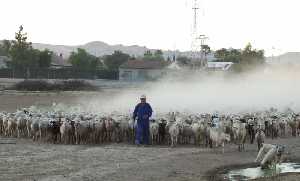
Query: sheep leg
270, 154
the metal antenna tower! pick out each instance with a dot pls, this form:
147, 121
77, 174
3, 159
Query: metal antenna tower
195, 9
194, 35
195, 44
198, 54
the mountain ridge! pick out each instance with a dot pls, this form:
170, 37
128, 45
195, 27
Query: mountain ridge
97, 48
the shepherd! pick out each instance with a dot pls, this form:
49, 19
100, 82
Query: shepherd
142, 112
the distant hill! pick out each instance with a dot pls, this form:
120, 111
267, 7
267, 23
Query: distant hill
286, 58
99, 48
96, 48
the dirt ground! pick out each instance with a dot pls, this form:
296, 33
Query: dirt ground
27, 160
12, 100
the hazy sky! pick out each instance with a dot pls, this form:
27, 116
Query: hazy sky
164, 24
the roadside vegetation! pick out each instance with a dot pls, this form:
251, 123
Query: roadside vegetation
43, 85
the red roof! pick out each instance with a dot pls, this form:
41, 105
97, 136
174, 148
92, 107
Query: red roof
144, 64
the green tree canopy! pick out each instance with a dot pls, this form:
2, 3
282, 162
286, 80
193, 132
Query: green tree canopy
156, 56
44, 58
114, 61
228, 55
247, 55
83, 60
252, 56
5, 47
245, 59
21, 51
22, 54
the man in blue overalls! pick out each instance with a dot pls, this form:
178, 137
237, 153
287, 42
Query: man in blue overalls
142, 112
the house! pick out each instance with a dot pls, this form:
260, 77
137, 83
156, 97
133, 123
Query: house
59, 62
218, 66
142, 70
3, 62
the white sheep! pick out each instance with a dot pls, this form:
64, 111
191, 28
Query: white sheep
218, 137
240, 132
154, 132
174, 133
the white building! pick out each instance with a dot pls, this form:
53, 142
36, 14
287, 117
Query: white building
218, 66
59, 62
141, 70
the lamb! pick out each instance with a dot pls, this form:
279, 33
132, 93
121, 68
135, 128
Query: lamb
239, 131
199, 132
162, 131
11, 126
1, 123
82, 129
109, 127
99, 131
67, 131
218, 137
28, 125
260, 138
43, 128
174, 133
282, 126
53, 129
187, 133
154, 128
34, 128
21, 125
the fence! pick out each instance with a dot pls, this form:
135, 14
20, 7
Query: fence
62, 73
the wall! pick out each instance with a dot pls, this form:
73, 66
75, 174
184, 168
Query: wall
140, 74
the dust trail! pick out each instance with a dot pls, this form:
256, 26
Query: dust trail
198, 92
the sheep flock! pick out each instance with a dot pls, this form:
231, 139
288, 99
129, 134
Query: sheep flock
68, 125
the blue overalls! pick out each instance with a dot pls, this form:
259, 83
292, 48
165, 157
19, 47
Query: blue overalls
142, 111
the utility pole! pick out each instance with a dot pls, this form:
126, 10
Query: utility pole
198, 57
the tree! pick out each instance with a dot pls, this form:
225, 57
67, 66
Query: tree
249, 59
228, 55
206, 49
21, 51
2, 52
252, 56
244, 60
44, 58
183, 60
83, 60
221, 54
114, 61
156, 56
148, 53
5, 47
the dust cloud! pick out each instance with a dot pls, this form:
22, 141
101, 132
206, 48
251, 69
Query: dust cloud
274, 86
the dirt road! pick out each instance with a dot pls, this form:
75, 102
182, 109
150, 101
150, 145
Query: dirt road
34, 161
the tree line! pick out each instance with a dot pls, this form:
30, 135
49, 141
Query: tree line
243, 59
24, 56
